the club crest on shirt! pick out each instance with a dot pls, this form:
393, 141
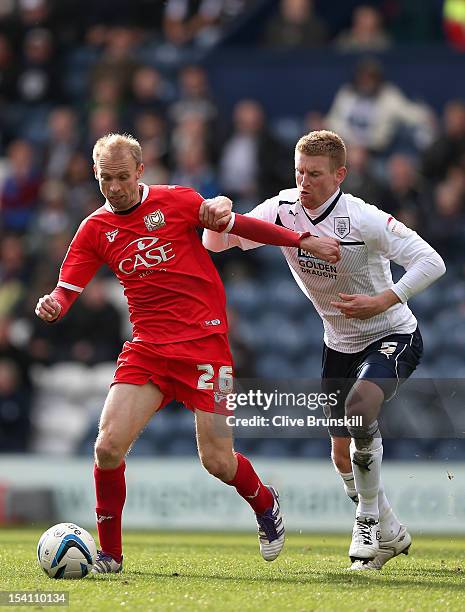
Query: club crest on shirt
154, 220
342, 226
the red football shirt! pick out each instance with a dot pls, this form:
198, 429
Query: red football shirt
173, 290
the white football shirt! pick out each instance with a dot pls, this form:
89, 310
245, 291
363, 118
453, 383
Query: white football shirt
369, 239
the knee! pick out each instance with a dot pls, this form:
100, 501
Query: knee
107, 454
220, 466
355, 407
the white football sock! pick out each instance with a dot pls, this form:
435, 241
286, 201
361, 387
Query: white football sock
366, 465
389, 524
349, 484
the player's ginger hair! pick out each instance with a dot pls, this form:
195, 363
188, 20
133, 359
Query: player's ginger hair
116, 142
324, 142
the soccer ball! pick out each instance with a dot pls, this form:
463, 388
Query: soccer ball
66, 551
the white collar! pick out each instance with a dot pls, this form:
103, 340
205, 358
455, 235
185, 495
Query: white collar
145, 193
314, 213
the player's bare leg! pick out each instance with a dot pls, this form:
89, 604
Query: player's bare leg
216, 452
340, 456
127, 410
394, 537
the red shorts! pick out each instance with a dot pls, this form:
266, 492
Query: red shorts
197, 373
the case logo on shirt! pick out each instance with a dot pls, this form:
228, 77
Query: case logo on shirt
145, 253
342, 226
111, 235
154, 220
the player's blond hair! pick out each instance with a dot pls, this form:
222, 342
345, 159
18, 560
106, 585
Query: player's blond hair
324, 142
116, 142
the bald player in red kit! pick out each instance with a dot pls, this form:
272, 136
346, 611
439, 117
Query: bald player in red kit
148, 236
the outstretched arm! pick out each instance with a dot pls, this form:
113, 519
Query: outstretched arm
221, 220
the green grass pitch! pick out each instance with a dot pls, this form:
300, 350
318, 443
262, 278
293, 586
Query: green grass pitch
209, 571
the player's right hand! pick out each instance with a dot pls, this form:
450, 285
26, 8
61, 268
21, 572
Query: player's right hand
48, 309
324, 248
215, 212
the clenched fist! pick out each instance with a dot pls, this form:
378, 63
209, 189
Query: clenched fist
323, 248
215, 212
48, 309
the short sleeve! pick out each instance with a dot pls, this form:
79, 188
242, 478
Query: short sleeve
188, 202
81, 262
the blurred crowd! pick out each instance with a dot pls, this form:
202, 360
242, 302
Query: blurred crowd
72, 71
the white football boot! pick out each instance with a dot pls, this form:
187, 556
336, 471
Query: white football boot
105, 564
388, 549
271, 532
365, 539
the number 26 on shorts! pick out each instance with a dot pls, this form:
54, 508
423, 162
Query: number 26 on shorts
225, 377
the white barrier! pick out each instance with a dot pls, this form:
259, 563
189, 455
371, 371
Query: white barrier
179, 494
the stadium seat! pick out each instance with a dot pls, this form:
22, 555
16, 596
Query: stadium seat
64, 379
273, 447
273, 365
285, 298
246, 296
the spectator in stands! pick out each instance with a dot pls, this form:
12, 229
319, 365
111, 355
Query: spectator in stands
149, 127
199, 22
149, 92
62, 141
194, 95
94, 330
8, 71
38, 80
15, 409
101, 121
155, 170
11, 351
193, 170
449, 148
253, 165
20, 189
80, 184
296, 25
47, 260
90, 335
366, 32
370, 111
361, 180
403, 197
34, 13
7, 8
106, 93
117, 59
446, 224
15, 273
191, 131
54, 214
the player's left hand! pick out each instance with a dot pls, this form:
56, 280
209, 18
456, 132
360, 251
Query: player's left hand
359, 306
215, 212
